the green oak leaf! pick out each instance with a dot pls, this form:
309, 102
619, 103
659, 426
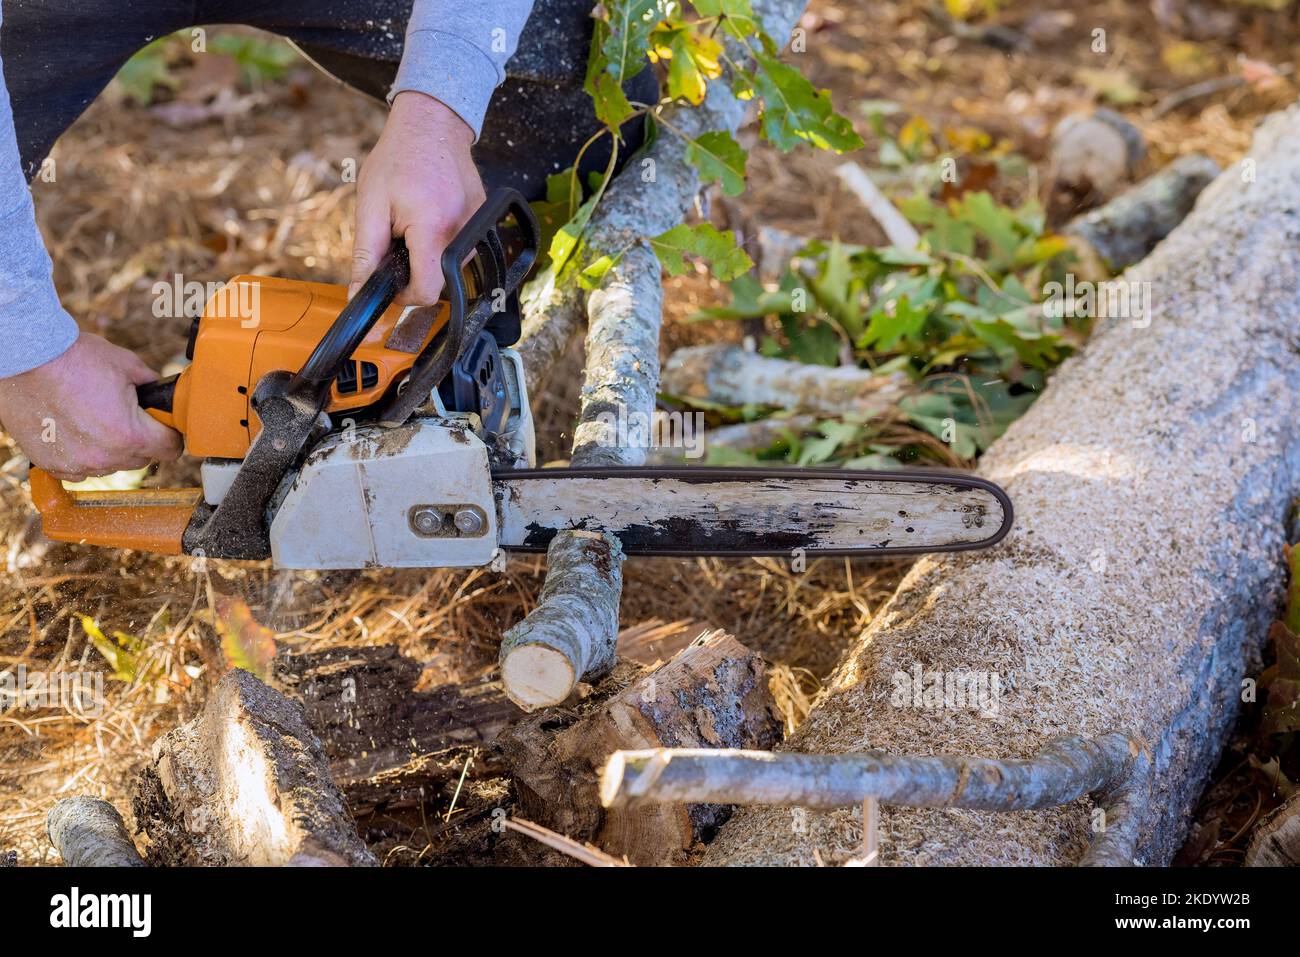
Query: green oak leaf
726, 259
719, 159
794, 111
619, 44
694, 63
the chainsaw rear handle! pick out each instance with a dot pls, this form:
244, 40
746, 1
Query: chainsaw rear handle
159, 395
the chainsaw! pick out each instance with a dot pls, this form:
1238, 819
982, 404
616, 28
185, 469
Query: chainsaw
352, 433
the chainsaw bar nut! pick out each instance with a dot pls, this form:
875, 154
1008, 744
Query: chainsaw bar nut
468, 521
446, 521
426, 520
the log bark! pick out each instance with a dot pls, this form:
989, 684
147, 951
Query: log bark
1121, 233
621, 378
245, 783
1151, 484
88, 832
1275, 841
712, 695
387, 744
728, 375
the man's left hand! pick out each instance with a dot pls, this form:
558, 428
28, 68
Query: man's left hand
419, 183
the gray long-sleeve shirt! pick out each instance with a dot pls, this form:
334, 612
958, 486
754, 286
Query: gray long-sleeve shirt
456, 51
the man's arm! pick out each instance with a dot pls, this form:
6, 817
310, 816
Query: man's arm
34, 327
68, 400
419, 181
456, 52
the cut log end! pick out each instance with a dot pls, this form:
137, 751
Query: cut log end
627, 776
537, 676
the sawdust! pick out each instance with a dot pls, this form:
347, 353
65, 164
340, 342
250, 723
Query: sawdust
1151, 484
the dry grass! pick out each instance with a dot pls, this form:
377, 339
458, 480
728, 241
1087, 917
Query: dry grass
258, 190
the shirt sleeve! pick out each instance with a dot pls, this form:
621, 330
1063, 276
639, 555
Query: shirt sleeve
34, 326
456, 52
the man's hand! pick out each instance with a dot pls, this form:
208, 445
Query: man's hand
418, 183
77, 415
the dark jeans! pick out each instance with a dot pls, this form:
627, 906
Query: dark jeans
60, 54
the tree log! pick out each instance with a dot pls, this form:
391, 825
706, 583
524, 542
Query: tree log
712, 695
1121, 233
621, 379
88, 832
245, 783
1095, 151
1151, 484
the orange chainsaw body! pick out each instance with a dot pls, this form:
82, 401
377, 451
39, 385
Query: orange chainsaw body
288, 318
211, 401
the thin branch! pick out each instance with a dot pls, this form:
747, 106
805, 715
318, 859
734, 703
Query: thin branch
1113, 767
592, 856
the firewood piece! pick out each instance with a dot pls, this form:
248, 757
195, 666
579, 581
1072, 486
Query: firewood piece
245, 783
1123, 231
728, 375
1095, 151
88, 832
1275, 842
712, 695
572, 632
387, 743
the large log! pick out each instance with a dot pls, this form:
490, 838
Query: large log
1151, 483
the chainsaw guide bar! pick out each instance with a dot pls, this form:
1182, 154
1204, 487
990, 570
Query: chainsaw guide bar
737, 512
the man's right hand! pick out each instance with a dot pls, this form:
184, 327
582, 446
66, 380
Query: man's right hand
77, 414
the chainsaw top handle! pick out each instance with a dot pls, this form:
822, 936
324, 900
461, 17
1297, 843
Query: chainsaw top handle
354, 322
495, 306
478, 246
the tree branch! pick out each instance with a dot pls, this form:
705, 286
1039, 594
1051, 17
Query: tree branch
1113, 767
572, 631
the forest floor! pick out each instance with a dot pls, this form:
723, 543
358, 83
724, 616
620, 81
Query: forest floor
222, 179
